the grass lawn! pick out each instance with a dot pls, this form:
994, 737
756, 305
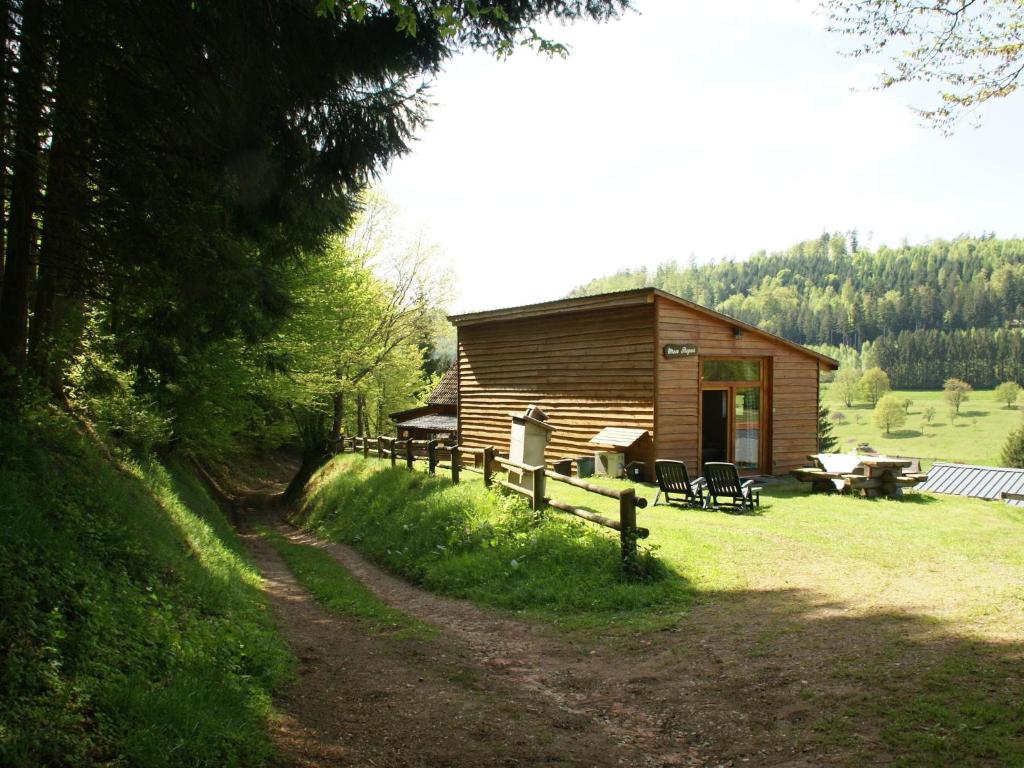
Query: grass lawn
898, 623
343, 594
975, 437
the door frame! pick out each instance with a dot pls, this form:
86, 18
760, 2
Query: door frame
764, 447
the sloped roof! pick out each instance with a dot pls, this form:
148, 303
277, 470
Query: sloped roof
447, 390
618, 437
622, 299
973, 480
439, 422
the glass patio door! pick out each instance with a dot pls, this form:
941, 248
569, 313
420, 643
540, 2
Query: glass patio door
747, 428
732, 412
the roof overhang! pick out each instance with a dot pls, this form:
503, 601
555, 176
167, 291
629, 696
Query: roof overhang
635, 297
438, 422
618, 437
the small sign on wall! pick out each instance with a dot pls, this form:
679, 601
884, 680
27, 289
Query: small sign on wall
679, 350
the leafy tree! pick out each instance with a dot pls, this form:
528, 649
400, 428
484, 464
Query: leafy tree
922, 313
889, 414
956, 392
873, 384
826, 440
1008, 392
972, 49
171, 168
1013, 448
907, 404
846, 385
928, 415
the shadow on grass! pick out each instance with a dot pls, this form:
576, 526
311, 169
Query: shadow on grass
902, 434
918, 499
972, 414
876, 686
872, 686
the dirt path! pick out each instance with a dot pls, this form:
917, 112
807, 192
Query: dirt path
361, 699
494, 691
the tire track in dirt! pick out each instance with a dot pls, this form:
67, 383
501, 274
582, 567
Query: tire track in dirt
364, 699
656, 707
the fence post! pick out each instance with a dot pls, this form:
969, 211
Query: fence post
455, 464
380, 446
408, 453
539, 480
488, 465
627, 528
366, 447
431, 456
391, 444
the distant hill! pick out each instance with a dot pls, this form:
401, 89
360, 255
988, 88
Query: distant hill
922, 312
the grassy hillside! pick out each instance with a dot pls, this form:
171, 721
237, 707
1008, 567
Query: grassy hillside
975, 437
468, 542
133, 631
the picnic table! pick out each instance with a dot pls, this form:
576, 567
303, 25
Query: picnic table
869, 476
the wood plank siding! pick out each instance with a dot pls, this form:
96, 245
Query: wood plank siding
587, 370
597, 362
790, 396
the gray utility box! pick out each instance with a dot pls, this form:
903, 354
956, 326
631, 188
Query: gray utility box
609, 463
529, 439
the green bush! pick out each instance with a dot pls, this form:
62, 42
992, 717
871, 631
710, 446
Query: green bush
483, 545
1013, 448
133, 632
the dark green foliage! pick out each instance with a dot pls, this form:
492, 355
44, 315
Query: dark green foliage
132, 631
177, 162
469, 542
1013, 448
826, 440
928, 312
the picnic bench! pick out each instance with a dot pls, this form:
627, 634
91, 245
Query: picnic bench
869, 476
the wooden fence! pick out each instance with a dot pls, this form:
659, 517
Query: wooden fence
523, 479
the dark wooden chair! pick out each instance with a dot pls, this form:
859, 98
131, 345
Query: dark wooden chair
674, 479
724, 483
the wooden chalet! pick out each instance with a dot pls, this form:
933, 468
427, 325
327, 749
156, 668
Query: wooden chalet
659, 375
438, 418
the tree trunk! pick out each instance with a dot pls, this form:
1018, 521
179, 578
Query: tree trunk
28, 97
5, 95
338, 401
53, 333
312, 427
361, 424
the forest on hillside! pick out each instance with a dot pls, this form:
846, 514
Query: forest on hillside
922, 312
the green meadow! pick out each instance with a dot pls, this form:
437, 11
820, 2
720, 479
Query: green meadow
976, 436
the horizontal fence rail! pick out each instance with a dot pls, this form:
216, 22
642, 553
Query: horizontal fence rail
526, 480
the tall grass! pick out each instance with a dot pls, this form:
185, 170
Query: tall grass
475, 543
133, 631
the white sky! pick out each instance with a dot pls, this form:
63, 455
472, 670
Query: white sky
712, 129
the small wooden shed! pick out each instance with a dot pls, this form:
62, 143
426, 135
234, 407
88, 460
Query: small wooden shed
438, 417
694, 384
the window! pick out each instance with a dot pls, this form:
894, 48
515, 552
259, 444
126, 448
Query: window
731, 370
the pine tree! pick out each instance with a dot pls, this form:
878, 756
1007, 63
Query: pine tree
1013, 448
826, 440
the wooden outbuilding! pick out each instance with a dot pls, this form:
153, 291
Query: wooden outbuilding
679, 380
437, 419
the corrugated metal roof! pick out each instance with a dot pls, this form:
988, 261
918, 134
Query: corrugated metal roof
976, 481
438, 422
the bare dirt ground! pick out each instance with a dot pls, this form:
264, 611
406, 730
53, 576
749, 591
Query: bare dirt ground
491, 690
742, 680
